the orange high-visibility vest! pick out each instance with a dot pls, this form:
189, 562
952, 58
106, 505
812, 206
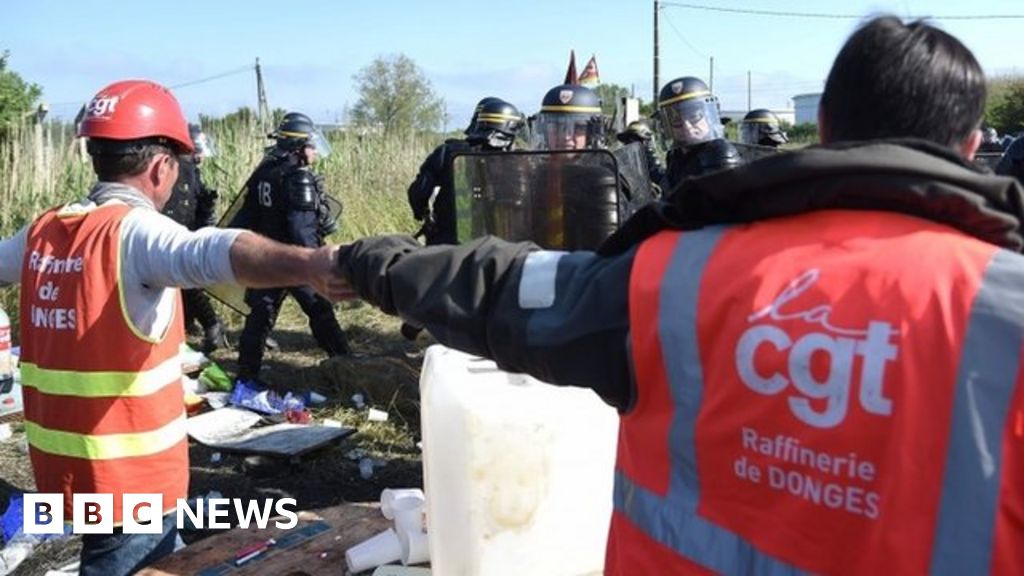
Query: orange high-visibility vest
837, 393
103, 402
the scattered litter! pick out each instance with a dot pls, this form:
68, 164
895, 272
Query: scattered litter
5, 432
249, 395
214, 377
314, 398
23, 445
192, 360
331, 423
217, 400
420, 445
366, 468
359, 401
374, 415
215, 457
298, 416
192, 385
355, 454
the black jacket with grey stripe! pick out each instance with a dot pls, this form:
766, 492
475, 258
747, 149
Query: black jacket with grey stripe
472, 297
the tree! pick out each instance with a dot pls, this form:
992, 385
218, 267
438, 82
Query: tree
17, 97
610, 95
1004, 109
396, 96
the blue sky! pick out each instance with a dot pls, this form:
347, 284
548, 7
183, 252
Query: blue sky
310, 49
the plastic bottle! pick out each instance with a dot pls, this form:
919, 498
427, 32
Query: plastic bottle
6, 365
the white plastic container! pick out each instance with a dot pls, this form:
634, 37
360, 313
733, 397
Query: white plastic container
6, 362
518, 473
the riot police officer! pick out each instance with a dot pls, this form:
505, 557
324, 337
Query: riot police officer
193, 205
1012, 162
494, 126
761, 128
640, 131
689, 117
286, 201
569, 119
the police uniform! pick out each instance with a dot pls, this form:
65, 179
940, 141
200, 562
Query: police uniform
688, 112
493, 127
285, 201
797, 393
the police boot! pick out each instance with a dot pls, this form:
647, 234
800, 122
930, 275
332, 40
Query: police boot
214, 338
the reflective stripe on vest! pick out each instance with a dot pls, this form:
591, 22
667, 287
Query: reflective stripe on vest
101, 384
105, 446
987, 373
672, 519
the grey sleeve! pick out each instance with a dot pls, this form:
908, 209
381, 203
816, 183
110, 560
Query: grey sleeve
561, 317
12, 254
158, 252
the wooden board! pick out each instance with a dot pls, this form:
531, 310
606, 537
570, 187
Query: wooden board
316, 546
231, 430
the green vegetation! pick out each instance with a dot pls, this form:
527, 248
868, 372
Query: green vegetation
1004, 110
395, 97
17, 97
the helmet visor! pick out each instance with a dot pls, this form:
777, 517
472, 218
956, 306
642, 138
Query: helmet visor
205, 147
319, 143
562, 131
693, 121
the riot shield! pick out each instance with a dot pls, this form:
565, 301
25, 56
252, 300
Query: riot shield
231, 295
751, 152
988, 159
635, 177
559, 199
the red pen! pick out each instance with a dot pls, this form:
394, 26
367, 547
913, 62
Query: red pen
253, 551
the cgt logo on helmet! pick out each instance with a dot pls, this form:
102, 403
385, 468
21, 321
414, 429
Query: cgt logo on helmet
840, 344
103, 106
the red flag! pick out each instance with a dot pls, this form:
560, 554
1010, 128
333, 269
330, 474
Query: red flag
590, 77
570, 74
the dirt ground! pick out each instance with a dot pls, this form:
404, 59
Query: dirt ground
384, 368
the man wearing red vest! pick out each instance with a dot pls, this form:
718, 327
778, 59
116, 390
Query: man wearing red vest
101, 319
816, 357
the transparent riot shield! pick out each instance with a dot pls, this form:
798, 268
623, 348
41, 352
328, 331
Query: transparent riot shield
634, 176
988, 159
561, 200
751, 152
231, 295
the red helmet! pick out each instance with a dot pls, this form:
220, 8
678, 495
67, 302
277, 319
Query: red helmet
133, 110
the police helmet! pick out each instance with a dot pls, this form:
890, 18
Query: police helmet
476, 112
570, 118
636, 131
297, 131
497, 123
689, 112
202, 142
761, 127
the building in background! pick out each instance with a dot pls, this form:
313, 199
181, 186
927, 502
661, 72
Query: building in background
806, 106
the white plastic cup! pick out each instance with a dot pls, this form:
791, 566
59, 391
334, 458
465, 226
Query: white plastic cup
375, 415
408, 513
389, 495
377, 550
415, 547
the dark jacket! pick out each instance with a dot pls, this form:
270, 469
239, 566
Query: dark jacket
283, 201
435, 172
192, 204
470, 297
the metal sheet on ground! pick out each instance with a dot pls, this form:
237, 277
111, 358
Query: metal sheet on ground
232, 430
315, 547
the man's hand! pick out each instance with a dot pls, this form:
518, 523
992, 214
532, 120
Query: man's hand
326, 275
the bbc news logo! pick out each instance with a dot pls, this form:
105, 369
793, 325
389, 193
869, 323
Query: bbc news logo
143, 513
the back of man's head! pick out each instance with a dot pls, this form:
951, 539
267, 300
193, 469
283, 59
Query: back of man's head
896, 80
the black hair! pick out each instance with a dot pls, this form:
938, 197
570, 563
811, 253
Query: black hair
896, 80
116, 159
